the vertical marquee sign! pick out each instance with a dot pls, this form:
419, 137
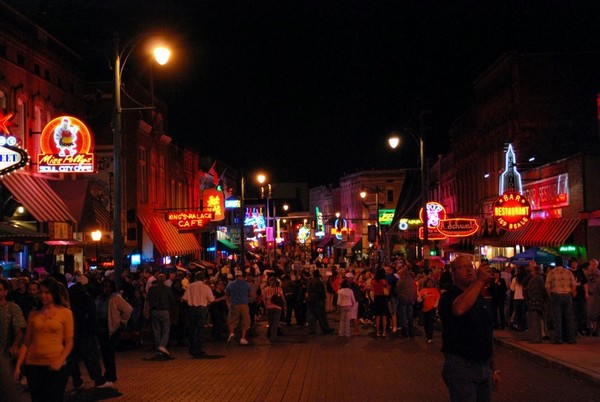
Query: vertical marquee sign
12, 157
66, 145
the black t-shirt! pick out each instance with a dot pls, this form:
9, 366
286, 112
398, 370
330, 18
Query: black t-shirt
581, 280
470, 335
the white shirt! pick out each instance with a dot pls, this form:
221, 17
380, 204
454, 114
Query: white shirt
198, 294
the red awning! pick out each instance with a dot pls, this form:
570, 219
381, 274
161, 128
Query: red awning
542, 233
167, 239
37, 197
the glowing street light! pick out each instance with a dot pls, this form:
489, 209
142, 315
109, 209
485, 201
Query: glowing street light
394, 142
162, 56
96, 237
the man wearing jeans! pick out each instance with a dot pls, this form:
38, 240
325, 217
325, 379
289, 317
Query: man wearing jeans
159, 302
561, 287
467, 341
197, 296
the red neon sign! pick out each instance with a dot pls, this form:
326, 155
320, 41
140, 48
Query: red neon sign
511, 210
214, 200
458, 227
66, 145
189, 220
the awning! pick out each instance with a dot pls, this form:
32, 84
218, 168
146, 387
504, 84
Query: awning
226, 245
542, 233
327, 240
37, 197
15, 233
355, 244
88, 211
167, 239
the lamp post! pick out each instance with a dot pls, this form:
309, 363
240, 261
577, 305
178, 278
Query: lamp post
363, 195
394, 142
96, 237
161, 55
259, 177
262, 179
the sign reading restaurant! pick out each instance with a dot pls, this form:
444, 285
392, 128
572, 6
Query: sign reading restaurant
66, 146
511, 210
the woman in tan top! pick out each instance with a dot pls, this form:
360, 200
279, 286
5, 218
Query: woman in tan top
48, 342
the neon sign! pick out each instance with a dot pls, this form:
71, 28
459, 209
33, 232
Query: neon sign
12, 157
510, 179
435, 213
458, 227
189, 220
439, 227
511, 210
320, 232
213, 200
303, 234
66, 145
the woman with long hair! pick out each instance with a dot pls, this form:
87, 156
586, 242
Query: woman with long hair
48, 342
273, 309
379, 308
516, 287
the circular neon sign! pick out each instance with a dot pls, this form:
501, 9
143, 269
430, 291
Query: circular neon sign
511, 210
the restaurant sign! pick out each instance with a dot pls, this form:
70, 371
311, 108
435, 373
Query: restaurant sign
511, 211
190, 220
66, 146
458, 227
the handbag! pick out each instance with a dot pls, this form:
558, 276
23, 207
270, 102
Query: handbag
277, 300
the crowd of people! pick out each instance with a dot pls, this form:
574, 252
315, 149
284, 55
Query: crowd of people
49, 325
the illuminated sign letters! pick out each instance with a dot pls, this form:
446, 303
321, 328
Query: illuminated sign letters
66, 145
214, 200
511, 210
189, 220
12, 157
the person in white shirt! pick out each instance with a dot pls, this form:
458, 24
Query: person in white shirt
197, 296
345, 302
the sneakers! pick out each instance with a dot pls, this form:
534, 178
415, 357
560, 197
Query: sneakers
163, 350
106, 384
243, 341
231, 337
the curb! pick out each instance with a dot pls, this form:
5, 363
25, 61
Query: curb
585, 375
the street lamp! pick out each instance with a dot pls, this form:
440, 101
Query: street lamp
161, 55
394, 142
261, 179
363, 195
96, 237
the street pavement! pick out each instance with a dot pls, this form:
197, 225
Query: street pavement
302, 367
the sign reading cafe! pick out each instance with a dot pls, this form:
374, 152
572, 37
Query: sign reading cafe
66, 146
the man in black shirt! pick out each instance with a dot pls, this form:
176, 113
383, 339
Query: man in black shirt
467, 341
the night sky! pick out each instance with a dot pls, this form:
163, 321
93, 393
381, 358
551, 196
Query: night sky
309, 90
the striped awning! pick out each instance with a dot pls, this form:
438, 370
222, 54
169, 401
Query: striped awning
37, 197
103, 219
542, 233
166, 238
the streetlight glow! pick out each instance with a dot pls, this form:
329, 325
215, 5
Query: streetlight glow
394, 141
162, 54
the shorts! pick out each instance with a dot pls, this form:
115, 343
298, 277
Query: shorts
239, 314
392, 305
